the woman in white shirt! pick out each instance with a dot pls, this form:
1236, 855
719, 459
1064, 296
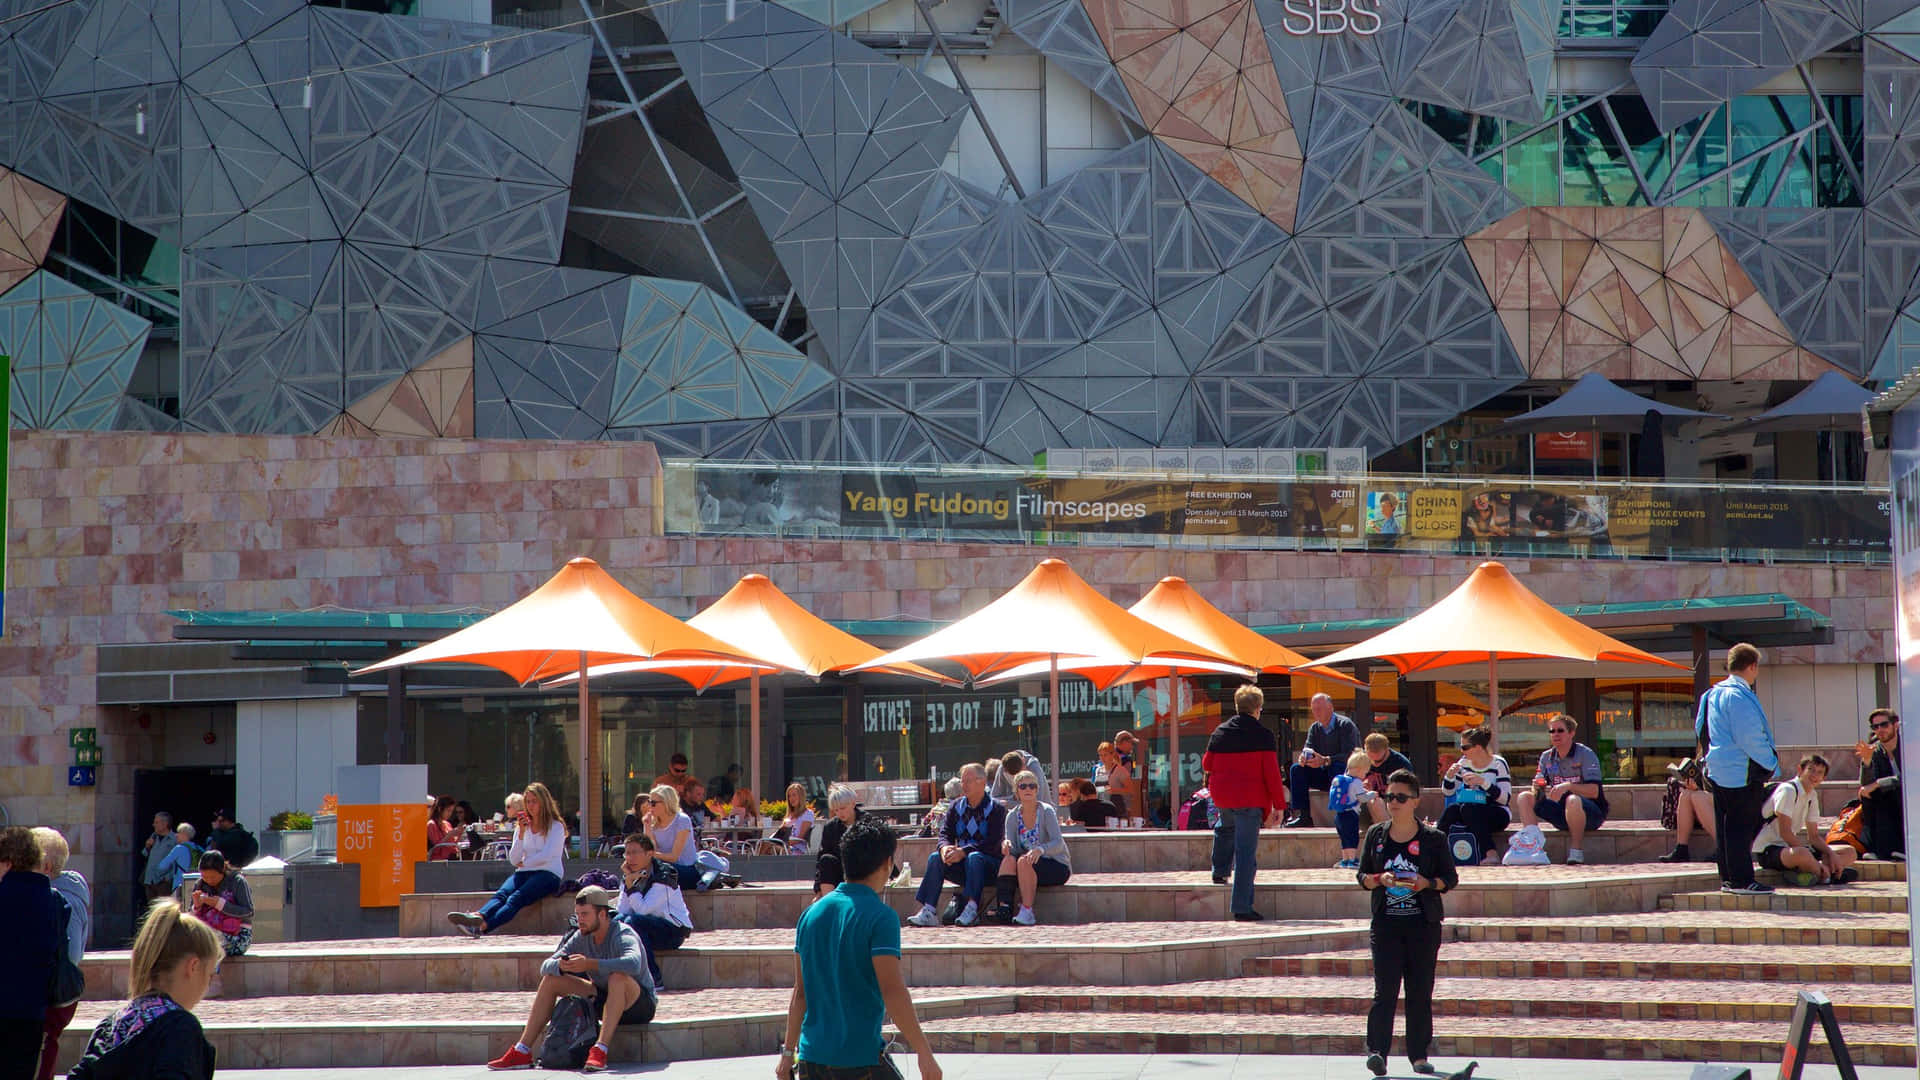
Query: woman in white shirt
799, 824
672, 832
651, 901
539, 844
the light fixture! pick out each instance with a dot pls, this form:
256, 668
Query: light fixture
486, 59
140, 119
306, 94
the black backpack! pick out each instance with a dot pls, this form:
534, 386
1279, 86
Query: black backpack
570, 1034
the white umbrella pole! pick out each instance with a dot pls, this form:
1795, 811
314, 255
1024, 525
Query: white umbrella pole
753, 719
1493, 694
586, 756
1173, 745
1053, 710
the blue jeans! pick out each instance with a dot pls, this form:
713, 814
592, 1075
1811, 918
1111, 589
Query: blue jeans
971, 874
523, 888
1301, 780
1347, 824
656, 934
1237, 837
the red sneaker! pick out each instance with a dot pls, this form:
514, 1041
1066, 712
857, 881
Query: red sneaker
514, 1058
596, 1061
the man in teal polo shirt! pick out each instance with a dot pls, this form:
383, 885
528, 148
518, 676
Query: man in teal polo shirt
847, 958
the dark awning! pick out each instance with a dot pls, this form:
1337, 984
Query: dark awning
1831, 402
1596, 403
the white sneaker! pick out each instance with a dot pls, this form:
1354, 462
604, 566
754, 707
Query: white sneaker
1024, 917
970, 916
926, 916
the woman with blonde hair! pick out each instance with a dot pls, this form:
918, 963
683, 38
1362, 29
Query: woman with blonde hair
797, 831
1034, 852
155, 1034
672, 832
537, 853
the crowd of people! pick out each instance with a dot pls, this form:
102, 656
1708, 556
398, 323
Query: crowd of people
995, 829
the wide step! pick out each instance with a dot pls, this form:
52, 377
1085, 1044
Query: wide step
1482, 997
1525, 1037
1860, 897
1823, 966
1694, 928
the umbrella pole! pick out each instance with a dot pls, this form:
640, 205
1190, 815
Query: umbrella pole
753, 720
1493, 694
1053, 710
586, 755
1173, 746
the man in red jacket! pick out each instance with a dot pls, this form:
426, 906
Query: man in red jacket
1243, 775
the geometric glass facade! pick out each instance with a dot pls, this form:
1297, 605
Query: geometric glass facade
829, 230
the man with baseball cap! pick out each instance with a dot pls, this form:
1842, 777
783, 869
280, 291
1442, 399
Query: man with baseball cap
602, 959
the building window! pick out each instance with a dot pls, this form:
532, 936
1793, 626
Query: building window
1610, 18
1778, 150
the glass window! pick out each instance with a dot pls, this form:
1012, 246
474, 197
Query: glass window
1533, 168
1610, 18
1594, 164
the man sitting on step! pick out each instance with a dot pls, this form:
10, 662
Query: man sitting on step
602, 959
1789, 839
1566, 792
968, 854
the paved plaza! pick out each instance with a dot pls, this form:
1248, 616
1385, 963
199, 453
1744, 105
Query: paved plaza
1110, 1067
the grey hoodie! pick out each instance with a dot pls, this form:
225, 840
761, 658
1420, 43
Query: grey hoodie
73, 888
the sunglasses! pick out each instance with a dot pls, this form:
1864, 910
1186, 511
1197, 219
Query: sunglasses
1881, 724
1559, 731
678, 769
1029, 787
654, 802
1399, 797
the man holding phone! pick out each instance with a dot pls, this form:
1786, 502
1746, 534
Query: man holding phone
1330, 741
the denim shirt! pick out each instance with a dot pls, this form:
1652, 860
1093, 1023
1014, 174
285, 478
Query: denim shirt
1737, 732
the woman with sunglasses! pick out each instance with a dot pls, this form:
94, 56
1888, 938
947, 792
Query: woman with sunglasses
672, 833
1034, 852
1407, 866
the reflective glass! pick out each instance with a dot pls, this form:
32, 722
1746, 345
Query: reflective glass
1533, 168
1596, 171
1610, 18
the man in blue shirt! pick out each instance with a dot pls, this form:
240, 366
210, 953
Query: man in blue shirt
1567, 792
847, 960
1331, 740
1740, 760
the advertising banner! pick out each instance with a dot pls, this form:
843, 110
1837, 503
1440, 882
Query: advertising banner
1384, 512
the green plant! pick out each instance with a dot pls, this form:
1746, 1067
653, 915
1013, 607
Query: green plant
290, 821
774, 809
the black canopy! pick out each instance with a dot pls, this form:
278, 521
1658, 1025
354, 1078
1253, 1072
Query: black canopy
1830, 403
1595, 403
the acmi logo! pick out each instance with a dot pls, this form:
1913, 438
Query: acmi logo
1312, 18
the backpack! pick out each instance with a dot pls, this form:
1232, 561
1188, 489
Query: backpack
1464, 845
603, 878
1849, 828
68, 982
1527, 848
1193, 812
570, 1034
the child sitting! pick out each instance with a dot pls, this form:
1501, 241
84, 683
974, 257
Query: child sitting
1345, 797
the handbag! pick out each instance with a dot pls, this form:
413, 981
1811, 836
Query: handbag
67, 982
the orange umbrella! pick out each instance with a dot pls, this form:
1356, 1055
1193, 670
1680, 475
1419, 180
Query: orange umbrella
1492, 619
1051, 616
780, 635
579, 619
1175, 606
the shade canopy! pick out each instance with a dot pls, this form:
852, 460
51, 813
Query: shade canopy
1829, 403
1052, 613
1177, 607
1596, 403
1493, 617
763, 622
580, 610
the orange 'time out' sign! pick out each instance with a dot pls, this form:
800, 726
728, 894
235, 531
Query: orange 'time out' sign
384, 840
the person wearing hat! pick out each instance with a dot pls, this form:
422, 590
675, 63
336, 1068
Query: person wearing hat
601, 958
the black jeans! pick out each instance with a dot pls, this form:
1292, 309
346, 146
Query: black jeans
1736, 821
1483, 820
20, 1048
1406, 950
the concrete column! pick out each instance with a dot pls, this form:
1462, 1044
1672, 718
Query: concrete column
1423, 729
285, 754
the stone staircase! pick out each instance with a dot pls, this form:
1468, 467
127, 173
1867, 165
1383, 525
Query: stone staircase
1134, 955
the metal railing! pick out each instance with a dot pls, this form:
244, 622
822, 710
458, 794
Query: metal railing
1512, 516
